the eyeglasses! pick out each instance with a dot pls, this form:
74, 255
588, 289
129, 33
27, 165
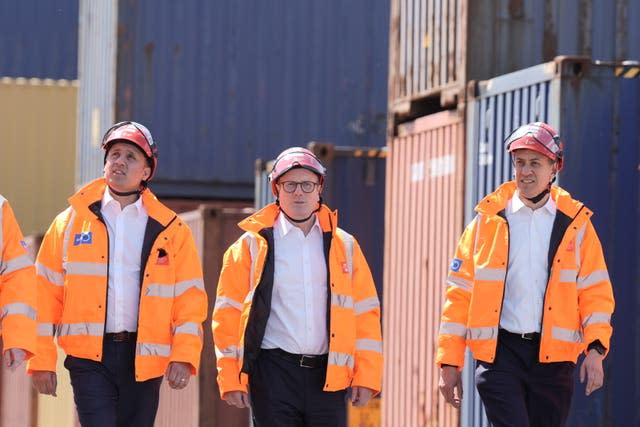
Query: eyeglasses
540, 135
291, 186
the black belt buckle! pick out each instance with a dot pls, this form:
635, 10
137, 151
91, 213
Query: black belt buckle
529, 336
310, 364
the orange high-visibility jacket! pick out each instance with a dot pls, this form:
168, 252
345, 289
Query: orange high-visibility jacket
578, 301
17, 286
239, 316
72, 268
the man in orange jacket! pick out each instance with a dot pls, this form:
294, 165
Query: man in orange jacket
297, 317
528, 291
120, 286
17, 291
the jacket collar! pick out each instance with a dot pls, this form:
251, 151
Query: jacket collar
266, 217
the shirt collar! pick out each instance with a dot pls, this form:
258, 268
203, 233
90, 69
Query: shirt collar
107, 199
517, 204
283, 226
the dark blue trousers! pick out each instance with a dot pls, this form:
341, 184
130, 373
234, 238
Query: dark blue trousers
517, 390
284, 394
106, 393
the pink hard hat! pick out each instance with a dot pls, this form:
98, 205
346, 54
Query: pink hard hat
540, 137
295, 157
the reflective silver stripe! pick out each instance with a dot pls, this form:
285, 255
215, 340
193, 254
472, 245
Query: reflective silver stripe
249, 297
229, 352
459, 283
147, 349
486, 333
52, 276
594, 278
370, 345
340, 359
15, 264
347, 239
567, 335
67, 233
46, 329
190, 328
253, 251
343, 301
493, 274
85, 268
451, 328
162, 291
18, 308
568, 276
184, 286
578, 244
224, 302
92, 329
597, 317
366, 305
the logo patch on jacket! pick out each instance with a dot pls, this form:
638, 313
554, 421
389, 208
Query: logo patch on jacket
345, 267
455, 265
84, 238
163, 258
571, 246
24, 244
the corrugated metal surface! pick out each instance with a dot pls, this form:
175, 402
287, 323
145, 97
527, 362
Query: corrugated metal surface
598, 116
424, 211
37, 153
97, 71
355, 187
39, 39
437, 44
214, 228
16, 397
243, 79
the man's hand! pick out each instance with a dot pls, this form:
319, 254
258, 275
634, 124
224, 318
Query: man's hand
451, 385
45, 382
591, 369
239, 399
178, 374
360, 395
13, 358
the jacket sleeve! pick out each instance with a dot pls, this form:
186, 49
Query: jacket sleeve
455, 312
368, 357
190, 303
595, 293
233, 286
50, 284
17, 287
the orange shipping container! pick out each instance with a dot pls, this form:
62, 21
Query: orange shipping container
424, 215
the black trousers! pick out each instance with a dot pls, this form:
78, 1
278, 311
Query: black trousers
517, 390
284, 394
106, 393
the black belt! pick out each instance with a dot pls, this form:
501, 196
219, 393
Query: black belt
303, 360
529, 336
120, 336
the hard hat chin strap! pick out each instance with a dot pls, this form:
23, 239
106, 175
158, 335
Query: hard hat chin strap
536, 199
299, 221
143, 186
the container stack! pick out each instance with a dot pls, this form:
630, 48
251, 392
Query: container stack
490, 67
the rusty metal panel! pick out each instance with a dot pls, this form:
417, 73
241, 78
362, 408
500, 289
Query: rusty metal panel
37, 153
424, 212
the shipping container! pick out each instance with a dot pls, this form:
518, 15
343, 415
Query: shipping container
355, 187
436, 46
214, 229
39, 39
424, 213
37, 151
232, 82
595, 106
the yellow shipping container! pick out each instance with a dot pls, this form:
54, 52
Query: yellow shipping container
37, 148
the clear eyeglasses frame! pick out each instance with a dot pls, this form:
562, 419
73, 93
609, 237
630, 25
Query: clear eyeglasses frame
291, 186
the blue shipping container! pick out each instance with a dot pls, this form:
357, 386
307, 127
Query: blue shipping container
596, 109
39, 39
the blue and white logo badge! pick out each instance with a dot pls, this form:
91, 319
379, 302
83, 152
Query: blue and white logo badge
455, 265
83, 238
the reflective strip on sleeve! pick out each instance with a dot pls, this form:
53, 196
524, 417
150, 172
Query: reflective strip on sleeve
567, 335
46, 329
86, 268
253, 251
91, 329
18, 308
452, 328
230, 352
249, 297
342, 301
52, 277
226, 302
370, 345
568, 276
162, 291
15, 264
184, 286
148, 349
578, 244
347, 239
596, 317
594, 278
366, 305
67, 235
486, 333
340, 359
458, 282
490, 274
190, 328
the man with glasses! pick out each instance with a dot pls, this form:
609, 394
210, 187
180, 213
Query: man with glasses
120, 286
528, 291
297, 318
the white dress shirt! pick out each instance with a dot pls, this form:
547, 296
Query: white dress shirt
126, 232
298, 319
527, 272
